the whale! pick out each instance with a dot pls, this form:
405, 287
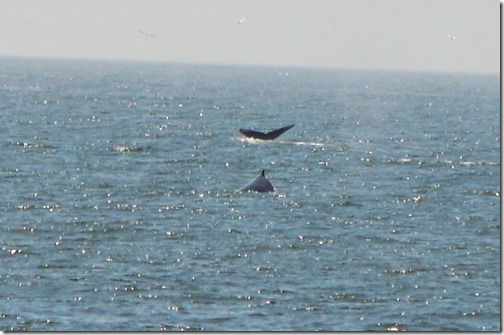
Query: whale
265, 136
259, 184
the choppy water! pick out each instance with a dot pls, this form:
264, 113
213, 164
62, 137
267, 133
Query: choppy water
119, 208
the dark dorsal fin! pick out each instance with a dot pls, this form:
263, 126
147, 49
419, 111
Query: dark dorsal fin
259, 184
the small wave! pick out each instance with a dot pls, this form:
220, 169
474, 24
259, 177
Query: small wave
123, 148
257, 141
472, 163
249, 140
314, 144
494, 193
392, 326
35, 145
403, 271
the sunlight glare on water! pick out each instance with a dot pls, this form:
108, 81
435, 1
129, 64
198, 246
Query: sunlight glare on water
120, 208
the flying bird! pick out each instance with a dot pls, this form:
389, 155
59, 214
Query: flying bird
242, 20
146, 34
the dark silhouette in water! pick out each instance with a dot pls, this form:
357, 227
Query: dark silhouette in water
260, 184
266, 137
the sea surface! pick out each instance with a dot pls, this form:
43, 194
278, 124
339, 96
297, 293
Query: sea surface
119, 207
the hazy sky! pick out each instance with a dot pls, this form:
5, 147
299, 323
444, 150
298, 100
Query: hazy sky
365, 34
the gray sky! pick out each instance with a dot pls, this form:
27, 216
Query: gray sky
362, 34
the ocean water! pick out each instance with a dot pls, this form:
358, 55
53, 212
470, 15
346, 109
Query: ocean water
120, 211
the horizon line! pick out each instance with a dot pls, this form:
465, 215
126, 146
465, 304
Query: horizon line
264, 65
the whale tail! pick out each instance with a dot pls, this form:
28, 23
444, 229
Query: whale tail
265, 136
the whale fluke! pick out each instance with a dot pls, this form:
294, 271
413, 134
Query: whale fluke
260, 184
266, 137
